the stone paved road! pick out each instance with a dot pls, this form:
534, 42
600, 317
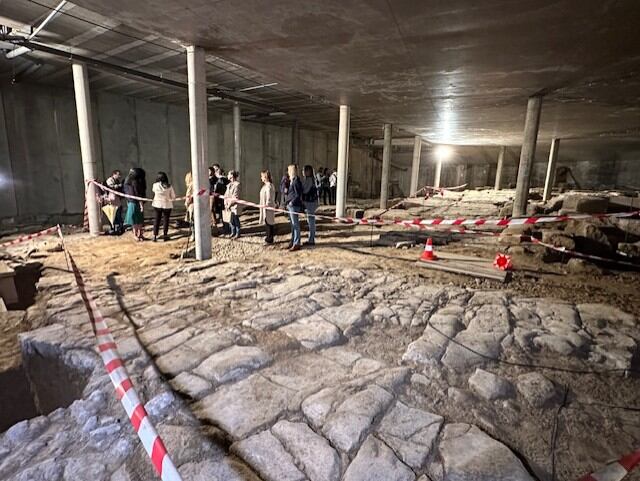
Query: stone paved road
275, 376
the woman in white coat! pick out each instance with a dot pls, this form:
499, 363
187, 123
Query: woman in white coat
267, 199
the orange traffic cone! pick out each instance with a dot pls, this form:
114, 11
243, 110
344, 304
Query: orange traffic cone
427, 254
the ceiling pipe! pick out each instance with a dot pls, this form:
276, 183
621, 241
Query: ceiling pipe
129, 72
23, 49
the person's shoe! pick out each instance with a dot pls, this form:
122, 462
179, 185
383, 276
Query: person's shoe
290, 245
155, 238
165, 238
294, 248
310, 243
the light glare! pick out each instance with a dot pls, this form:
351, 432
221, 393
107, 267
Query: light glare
443, 152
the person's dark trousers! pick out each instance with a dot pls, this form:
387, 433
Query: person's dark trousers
161, 214
219, 207
235, 225
271, 232
326, 193
332, 197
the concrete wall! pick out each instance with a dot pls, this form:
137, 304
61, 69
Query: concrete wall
41, 169
40, 163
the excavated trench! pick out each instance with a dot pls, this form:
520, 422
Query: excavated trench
43, 383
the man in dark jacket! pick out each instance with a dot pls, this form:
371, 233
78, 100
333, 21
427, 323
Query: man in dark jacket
218, 188
294, 204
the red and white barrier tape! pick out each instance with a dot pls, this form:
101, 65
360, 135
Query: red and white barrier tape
123, 385
416, 223
617, 470
29, 237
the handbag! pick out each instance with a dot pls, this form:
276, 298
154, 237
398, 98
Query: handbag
226, 215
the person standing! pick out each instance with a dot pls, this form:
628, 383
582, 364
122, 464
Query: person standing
219, 190
188, 200
333, 186
135, 185
114, 182
163, 197
213, 179
267, 199
284, 189
293, 202
231, 197
310, 201
325, 190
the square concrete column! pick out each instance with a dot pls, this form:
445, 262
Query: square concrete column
498, 184
343, 161
415, 166
87, 144
527, 155
551, 169
438, 174
237, 143
386, 167
198, 136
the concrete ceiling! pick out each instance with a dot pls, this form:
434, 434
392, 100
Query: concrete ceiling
455, 72
458, 71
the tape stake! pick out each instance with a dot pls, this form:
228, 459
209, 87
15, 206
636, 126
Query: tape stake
124, 389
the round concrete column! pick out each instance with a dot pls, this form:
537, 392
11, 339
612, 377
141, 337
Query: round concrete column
527, 156
87, 144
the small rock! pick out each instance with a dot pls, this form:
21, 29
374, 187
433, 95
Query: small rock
581, 266
536, 389
489, 386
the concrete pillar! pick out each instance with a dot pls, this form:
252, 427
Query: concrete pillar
343, 161
498, 184
87, 144
415, 166
438, 174
237, 146
198, 136
527, 155
386, 167
551, 169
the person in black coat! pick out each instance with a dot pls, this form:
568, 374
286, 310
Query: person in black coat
294, 204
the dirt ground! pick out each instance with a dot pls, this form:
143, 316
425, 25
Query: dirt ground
348, 246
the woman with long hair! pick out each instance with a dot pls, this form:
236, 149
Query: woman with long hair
231, 197
267, 199
135, 184
163, 197
293, 202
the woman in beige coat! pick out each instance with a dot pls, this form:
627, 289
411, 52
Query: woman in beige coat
231, 197
267, 199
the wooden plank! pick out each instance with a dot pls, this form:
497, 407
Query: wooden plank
469, 269
460, 257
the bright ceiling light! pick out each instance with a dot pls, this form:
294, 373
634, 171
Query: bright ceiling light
443, 152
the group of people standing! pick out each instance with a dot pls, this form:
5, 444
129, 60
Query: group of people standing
298, 195
135, 185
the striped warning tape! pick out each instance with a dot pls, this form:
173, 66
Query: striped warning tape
29, 237
123, 385
617, 470
415, 223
